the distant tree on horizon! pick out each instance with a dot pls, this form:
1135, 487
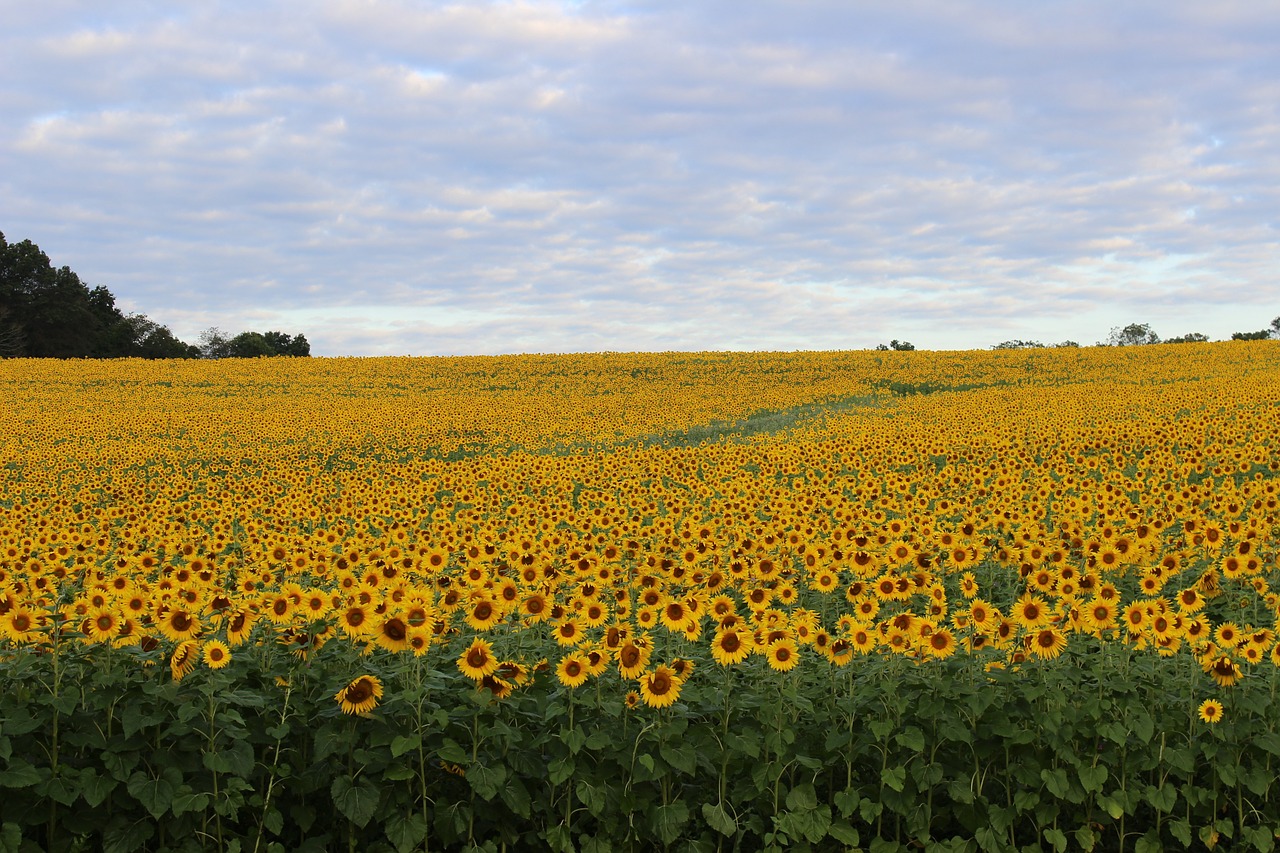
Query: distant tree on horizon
1134, 334
48, 312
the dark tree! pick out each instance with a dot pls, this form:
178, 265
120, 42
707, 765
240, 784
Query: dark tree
1188, 338
1018, 344
1260, 335
895, 344
1134, 334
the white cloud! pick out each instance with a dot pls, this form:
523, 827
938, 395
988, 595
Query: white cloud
483, 177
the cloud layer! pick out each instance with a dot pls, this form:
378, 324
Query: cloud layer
392, 176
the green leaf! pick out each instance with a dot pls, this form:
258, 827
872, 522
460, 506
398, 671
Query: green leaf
719, 819
668, 821
1149, 843
1086, 838
486, 781
357, 799
1057, 838
574, 739
684, 759
516, 796
912, 738
273, 821
406, 831
1143, 726
1056, 781
451, 752
1111, 806
847, 801
844, 833
155, 795
95, 788
127, 836
561, 770
187, 800
10, 838
1181, 830
802, 798
1093, 778
894, 777
401, 744
19, 774
1163, 798
646, 761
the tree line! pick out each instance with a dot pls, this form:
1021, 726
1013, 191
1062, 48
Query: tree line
1139, 334
48, 312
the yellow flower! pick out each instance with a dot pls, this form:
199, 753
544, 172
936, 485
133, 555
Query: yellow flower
571, 671
216, 654
478, 660
360, 696
1211, 711
660, 688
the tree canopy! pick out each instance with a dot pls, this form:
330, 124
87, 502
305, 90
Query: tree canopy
48, 312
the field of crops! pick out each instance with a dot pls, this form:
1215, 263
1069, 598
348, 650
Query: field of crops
1016, 600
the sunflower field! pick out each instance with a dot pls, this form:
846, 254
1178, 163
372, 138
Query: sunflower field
938, 601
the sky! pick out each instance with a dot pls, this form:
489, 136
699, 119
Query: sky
391, 177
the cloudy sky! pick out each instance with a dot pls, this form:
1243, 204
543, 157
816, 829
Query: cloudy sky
409, 177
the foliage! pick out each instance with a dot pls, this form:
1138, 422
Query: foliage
1261, 335
1189, 338
897, 346
49, 313
1018, 343
1134, 334
214, 343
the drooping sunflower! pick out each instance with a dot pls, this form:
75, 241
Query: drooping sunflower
1224, 671
1211, 711
184, 658
477, 660
239, 625
660, 688
360, 696
216, 655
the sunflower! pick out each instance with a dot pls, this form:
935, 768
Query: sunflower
1211, 711
360, 696
534, 608
982, 615
782, 655
216, 654
101, 626
572, 671
499, 687
940, 644
1224, 671
178, 625
1048, 643
392, 635
633, 658
483, 615
660, 688
239, 624
728, 648
1030, 612
477, 660
184, 659
355, 620
568, 632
